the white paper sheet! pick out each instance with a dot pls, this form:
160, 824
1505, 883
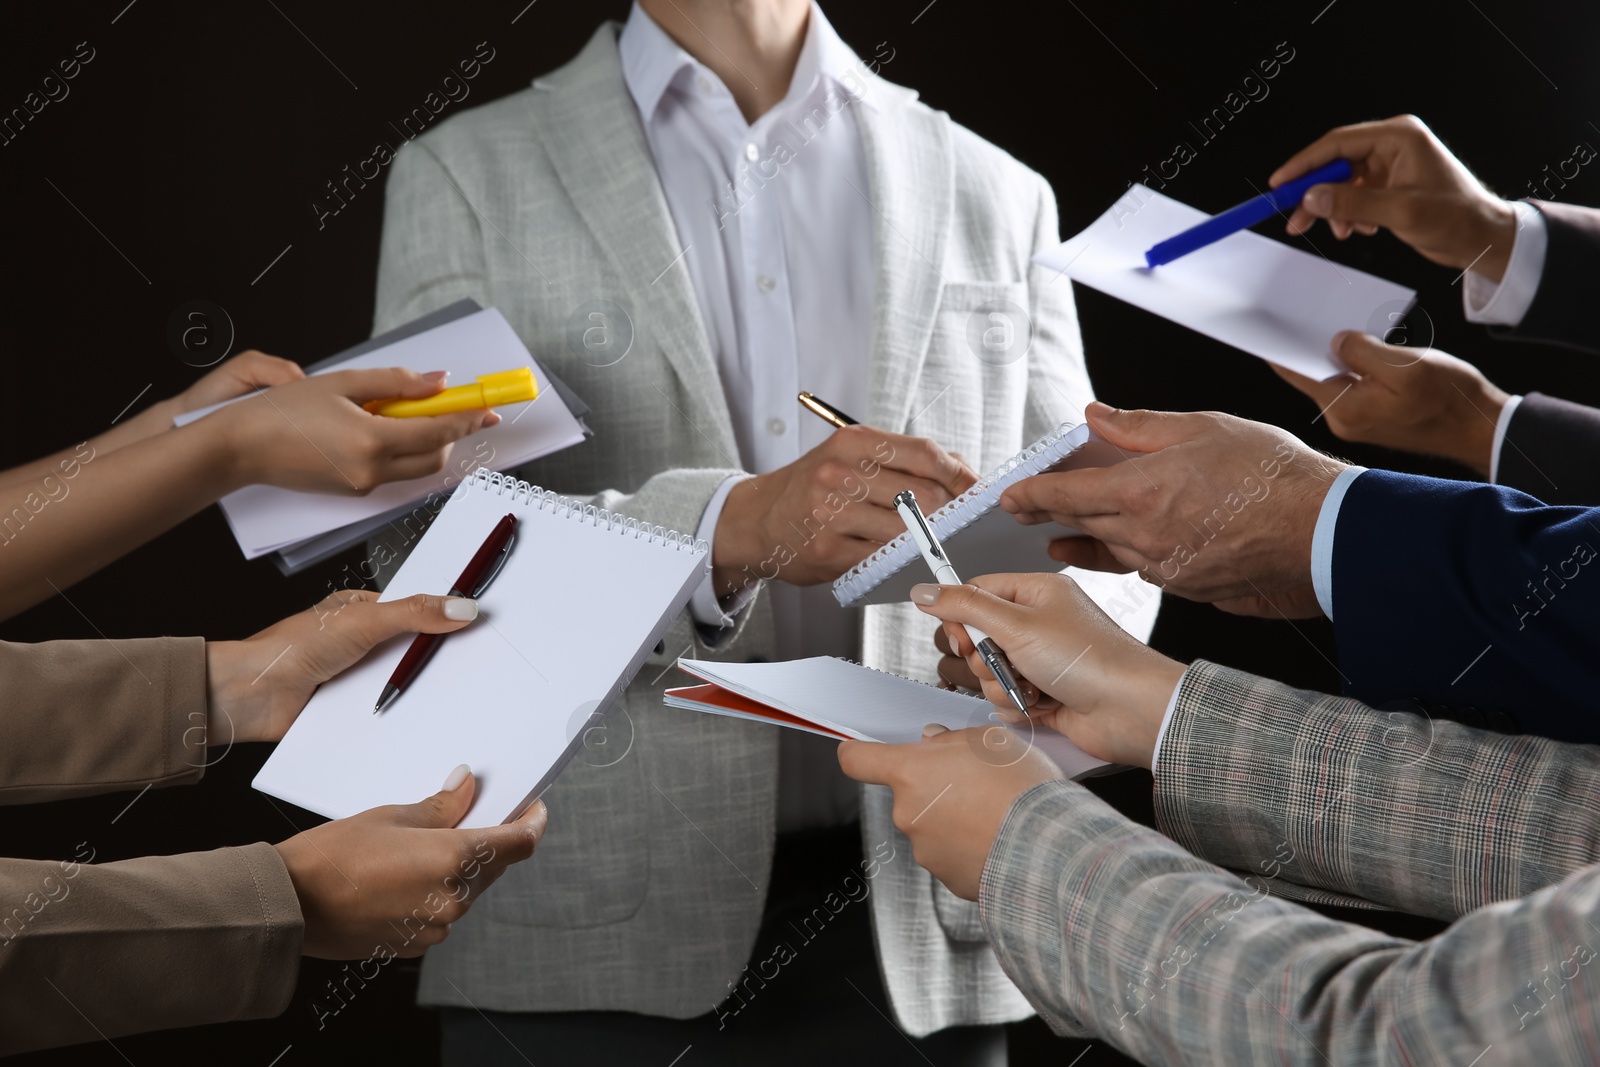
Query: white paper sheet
265, 518
1268, 298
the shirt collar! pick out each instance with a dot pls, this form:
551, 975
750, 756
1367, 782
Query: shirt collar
652, 61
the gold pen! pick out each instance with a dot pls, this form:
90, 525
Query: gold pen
826, 411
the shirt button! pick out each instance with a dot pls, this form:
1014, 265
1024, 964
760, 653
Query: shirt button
751, 152
766, 282
776, 427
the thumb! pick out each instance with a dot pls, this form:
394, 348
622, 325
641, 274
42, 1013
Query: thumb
1138, 430
257, 369
368, 623
1000, 619
515, 841
1368, 356
446, 807
1345, 202
387, 383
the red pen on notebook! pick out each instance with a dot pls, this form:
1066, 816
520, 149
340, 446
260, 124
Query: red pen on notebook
485, 564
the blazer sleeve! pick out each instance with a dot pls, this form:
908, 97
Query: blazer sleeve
1562, 311
90, 951
1549, 450
1429, 817
1111, 929
1476, 600
84, 717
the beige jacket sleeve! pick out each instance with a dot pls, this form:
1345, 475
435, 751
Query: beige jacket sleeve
90, 951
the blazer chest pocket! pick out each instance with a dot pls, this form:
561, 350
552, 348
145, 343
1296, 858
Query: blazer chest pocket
974, 382
592, 866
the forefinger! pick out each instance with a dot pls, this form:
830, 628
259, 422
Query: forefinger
1071, 494
1354, 143
869, 761
427, 433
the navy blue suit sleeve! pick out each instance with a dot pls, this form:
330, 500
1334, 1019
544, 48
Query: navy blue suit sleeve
1470, 596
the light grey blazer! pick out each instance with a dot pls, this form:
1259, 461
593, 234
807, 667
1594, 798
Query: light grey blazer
648, 888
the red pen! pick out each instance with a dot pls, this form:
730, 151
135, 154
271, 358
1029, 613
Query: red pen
485, 564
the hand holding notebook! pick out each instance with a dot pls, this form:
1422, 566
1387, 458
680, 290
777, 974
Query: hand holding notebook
513, 694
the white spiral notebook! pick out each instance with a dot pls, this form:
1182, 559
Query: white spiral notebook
981, 536
583, 598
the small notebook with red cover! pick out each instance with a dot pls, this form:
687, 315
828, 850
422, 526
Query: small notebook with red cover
840, 699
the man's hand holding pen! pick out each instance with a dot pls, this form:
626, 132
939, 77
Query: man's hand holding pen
811, 521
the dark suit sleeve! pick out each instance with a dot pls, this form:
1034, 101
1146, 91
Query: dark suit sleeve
1469, 596
1551, 450
1562, 312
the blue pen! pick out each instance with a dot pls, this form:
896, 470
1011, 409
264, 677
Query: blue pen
1284, 198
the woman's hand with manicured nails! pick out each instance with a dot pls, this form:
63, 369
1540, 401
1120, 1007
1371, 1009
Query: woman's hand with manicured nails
257, 686
399, 875
314, 435
1108, 692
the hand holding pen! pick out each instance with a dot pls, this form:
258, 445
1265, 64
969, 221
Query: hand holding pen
943, 573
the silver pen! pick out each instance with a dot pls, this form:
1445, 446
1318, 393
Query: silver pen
933, 553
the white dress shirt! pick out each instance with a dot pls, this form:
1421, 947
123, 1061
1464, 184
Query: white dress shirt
777, 238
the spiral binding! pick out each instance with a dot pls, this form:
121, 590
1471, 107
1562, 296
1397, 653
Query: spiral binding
957, 515
538, 497
891, 674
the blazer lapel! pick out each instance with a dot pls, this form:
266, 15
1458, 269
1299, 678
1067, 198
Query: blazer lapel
596, 145
911, 189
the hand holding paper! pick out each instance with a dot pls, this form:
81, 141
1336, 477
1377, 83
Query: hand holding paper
1260, 295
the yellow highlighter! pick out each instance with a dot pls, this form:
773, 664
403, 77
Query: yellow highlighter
489, 391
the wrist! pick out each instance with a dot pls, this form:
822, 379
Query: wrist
1478, 418
1496, 237
1158, 680
228, 692
735, 556
229, 458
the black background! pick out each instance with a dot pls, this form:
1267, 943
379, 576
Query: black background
198, 138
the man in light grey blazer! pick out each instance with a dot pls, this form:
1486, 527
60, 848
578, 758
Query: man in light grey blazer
701, 214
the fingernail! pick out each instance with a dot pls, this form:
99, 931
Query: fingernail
490, 418
933, 729
457, 776
436, 377
925, 594
539, 815
460, 608
1318, 200
1102, 408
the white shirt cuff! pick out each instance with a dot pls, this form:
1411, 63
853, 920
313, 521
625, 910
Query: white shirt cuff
705, 607
1504, 304
1172, 705
1500, 427
1322, 538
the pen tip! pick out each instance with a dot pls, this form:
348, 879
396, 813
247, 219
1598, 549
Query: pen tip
386, 698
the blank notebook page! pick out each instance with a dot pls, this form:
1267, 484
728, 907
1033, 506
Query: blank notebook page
582, 600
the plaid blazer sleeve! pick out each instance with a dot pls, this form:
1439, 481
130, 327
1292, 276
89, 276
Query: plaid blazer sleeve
1111, 929
1429, 817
